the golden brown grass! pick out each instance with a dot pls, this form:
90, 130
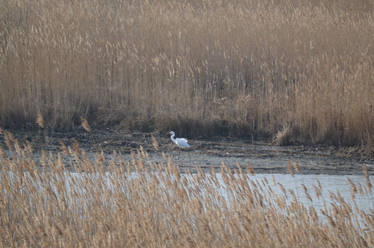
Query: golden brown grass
42, 204
85, 124
199, 67
40, 120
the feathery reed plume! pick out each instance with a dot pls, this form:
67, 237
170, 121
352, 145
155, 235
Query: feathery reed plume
155, 143
76, 147
307, 193
290, 169
353, 188
100, 158
143, 152
40, 120
366, 175
63, 147
85, 124
296, 166
283, 189
250, 170
282, 136
28, 147
2, 153
317, 191
8, 140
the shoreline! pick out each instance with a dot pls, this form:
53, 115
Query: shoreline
264, 158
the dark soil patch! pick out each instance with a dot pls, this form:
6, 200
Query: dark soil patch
262, 157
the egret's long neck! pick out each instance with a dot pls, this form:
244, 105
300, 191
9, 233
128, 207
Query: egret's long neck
173, 138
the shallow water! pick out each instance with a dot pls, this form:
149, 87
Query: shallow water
329, 185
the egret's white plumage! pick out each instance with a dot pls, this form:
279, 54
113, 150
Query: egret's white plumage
180, 142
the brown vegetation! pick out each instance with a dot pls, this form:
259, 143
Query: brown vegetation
106, 205
85, 124
200, 67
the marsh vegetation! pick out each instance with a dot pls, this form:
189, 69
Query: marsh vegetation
70, 200
301, 71
297, 72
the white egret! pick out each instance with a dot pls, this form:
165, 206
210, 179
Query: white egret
180, 142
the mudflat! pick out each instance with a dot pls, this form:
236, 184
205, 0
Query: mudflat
206, 153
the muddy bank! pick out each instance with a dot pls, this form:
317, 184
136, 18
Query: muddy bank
262, 157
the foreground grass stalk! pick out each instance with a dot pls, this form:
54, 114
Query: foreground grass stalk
76, 201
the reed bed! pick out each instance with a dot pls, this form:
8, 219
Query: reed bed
70, 200
244, 67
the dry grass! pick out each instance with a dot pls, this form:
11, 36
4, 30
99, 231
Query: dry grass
199, 67
108, 205
85, 124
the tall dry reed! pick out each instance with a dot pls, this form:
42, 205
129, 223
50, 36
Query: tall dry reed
201, 67
71, 200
